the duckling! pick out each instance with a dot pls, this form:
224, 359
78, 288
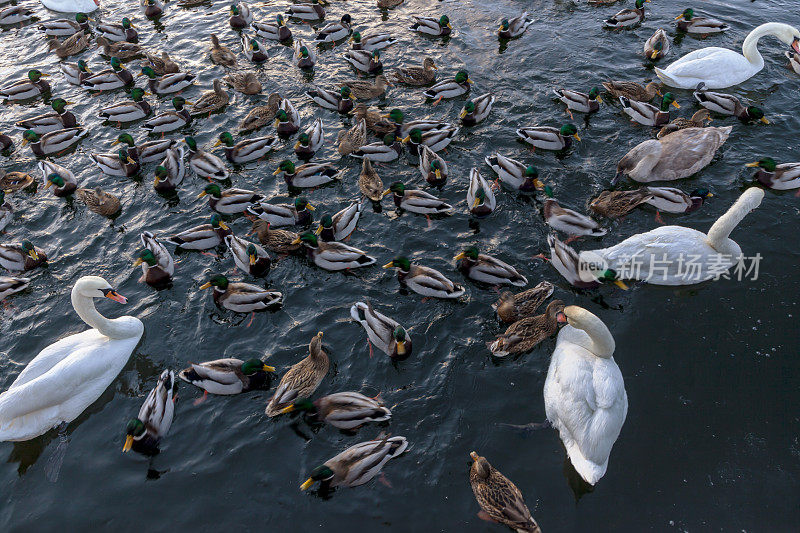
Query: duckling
128, 111
727, 104
341, 101
351, 140
99, 201
343, 410
627, 17
417, 76
65, 27
515, 174
287, 120
244, 82
481, 201
310, 141
699, 25
75, 73
114, 78
515, 27
417, 201
50, 121
302, 379
308, 11
424, 280
241, 297
55, 142
229, 201
569, 221
304, 57
334, 256
122, 50
581, 102
240, 16
335, 31
450, 88
656, 46
779, 177
220, 54
11, 285
274, 32
21, 257
204, 236
308, 175
369, 182
340, 226
365, 90
125, 31
476, 110
632, 90
387, 334
284, 215
615, 204
381, 152
249, 257
548, 137
157, 264
211, 101
647, 114
262, 115
488, 269
432, 167
440, 27
168, 83
33, 87
205, 164
278, 240
252, 50
228, 376
248, 149
119, 164
525, 334
162, 64
143, 433
513, 307
71, 46
500, 500
365, 61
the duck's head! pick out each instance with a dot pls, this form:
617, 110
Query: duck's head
389, 139
397, 188
505, 25
400, 262
161, 174
444, 22
83, 67
217, 222
124, 158
224, 138
480, 465
436, 168
285, 166
640, 3
308, 238
668, 99
211, 189
302, 404
462, 76
687, 14
149, 72
399, 335
765, 163
480, 197
135, 428
251, 366
55, 180
81, 18
116, 64
178, 102
415, 136
346, 19
755, 113
303, 52
252, 253
470, 252
702, 193
137, 93
326, 222
594, 94
321, 473
281, 116
657, 48
346, 93
301, 204
279, 20
29, 136
217, 280
235, 10
97, 287
59, 105
124, 138
302, 140
396, 116
127, 24
145, 255
191, 143
569, 130
469, 108
34, 75
356, 38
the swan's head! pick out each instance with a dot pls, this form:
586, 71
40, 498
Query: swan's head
97, 287
788, 35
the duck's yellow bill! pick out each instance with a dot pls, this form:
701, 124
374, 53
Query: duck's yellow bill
33, 254
223, 225
296, 241
676, 105
267, 368
48, 184
577, 137
753, 164
387, 192
252, 260
138, 262
318, 230
277, 172
654, 54
620, 284
459, 257
463, 113
474, 455
202, 194
390, 264
287, 409
764, 120
128, 444
599, 100
205, 286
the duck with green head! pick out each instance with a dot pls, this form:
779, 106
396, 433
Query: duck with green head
61, 187
308, 175
727, 104
344, 410
341, 100
515, 174
310, 141
115, 33
424, 280
627, 17
247, 150
205, 164
62, 118
435, 139
476, 110
699, 25
157, 263
459, 85
656, 46
277, 31
204, 236
368, 62
241, 297
385, 333
432, 167
228, 376
304, 57
581, 102
335, 31
299, 213
169, 120
515, 27
229, 201
119, 164
143, 433
33, 87
240, 16
66, 27
481, 201
75, 73
251, 258
341, 225
381, 152
672, 200
488, 269
648, 114
779, 177
168, 83
417, 201
128, 111
114, 78
377, 41
333, 256
55, 142
286, 123
21, 257
548, 137
434, 27
253, 51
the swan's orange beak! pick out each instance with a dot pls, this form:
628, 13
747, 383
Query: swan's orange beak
114, 295
561, 318
796, 45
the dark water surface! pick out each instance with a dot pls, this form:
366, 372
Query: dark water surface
711, 371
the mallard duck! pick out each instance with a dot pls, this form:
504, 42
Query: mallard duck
274, 32
119, 164
310, 141
515, 174
335, 31
114, 78
241, 17
698, 120
674, 200
75, 73
488, 269
122, 50
387, 334
389, 4
334, 256
118, 32
244, 82
343, 410
476, 110
6, 143
147, 152
581, 102
128, 111
702, 25
229, 201
6, 214
450, 88
676, 156
548, 137
241, 297
648, 114
307, 175
14, 181
436, 140
567, 263
727, 104
779, 177
33, 87
627, 17
364, 60
515, 27
278, 240
65, 27
143, 433
62, 179
374, 120
152, 8
308, 11
369, 182
221, 54
632, 90
287, 120
568, 221
381, 152
168, 83
158, 266
480, 197
432, 167
365, 90
430, 26
341, 225
205, 164
204, 236
379, 41
525, 334
228, 376
656, 46
302, 379
71, 46
417, 76
170, 173
298, 214
50, 121
417, 201
211, 101
249, 257
248, 149
53, 142
794, 60
341, 101
11, 285
357, 464
424, 280
252, 50
162, 64
499, 499
512, 307
262, 115
304, 57
15, 15
21, 257
99, 201
615, 204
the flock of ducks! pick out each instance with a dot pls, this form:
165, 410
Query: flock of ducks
681, 147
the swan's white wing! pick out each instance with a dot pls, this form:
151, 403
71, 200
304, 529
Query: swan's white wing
716, 67
52, 355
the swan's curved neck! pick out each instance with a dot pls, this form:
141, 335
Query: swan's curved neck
722, 228
750, 45
110, 328
601, 342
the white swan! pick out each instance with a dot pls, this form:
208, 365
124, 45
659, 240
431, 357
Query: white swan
70, 374
719, 67
584, 394
72, 6
675, 255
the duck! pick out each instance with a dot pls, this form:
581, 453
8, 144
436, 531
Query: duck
21, 257
697, 120
241, 297
278, 240
157, 264
261, 115
341, 101
660, 254
302, 379
11, 285
15, 15
64, 378
385, 333
122, 50
567, 263
374, 120
615, 204
211, 101
648, 114
794, 60
481, 201
170, 173
244, 82
333, 256
514, 27
168, 83
425, 280
247, 150
33, 87
61, 178
99, 201
674, 200
389, 4
241, 17
516, 175
364, 60
287, 120
379, 41
6, 214
417, 201
308, 175
440, 27
627, 17
459, 85
476, 110
128, 111
205, 164
584, 393
50, 121
119, 164
432, 167
15, 181
727, 104
436, 140
65, 27
152, 8
148, 152
228, 376
114, 78
369, 182
631, 90
569, 221
343, 410
335, 31
688, 23
416, 76
675, 156
229, 201
124, 31
657, 46
251, 258
298, 214
512, 307
75, 73
578, 101
204, 236
381, 152
71, 46
55, 142
310, 141
548, 137
221, 54
499, 499
719, 68
304, 57
274, 32
781, 177
6, 144
488, 269
525, 334
341, 225
308, 11
144, 433
162, 64
365, 90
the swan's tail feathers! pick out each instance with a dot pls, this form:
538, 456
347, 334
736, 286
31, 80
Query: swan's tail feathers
722, 228
590, 472
666, 78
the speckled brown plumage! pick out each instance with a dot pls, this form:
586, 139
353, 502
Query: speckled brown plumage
277, 240
523, 335
498, 497
302, 379
614, 204
512, 307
